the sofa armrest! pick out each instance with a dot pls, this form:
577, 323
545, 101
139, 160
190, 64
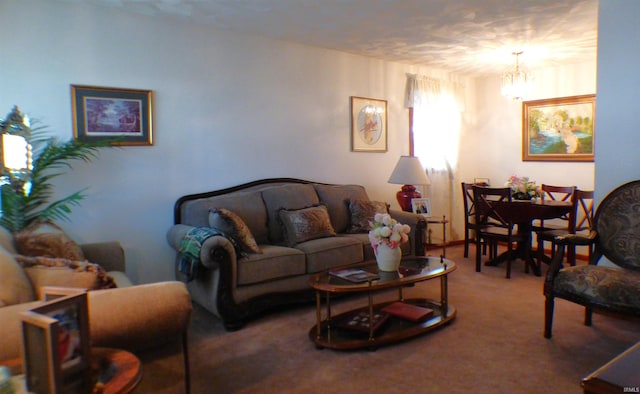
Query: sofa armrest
139, 317
215, 250
418, 226
109, 255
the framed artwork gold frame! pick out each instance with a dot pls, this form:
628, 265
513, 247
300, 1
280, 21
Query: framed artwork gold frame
559, 129
56, 346
122, 115
368, 125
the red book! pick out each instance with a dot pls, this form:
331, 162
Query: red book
408, 311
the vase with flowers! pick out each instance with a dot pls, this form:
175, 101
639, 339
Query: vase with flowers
386, 236
522, 188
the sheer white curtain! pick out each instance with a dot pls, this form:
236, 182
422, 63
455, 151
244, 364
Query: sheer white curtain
437, 108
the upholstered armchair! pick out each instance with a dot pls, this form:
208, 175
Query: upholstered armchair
616, 236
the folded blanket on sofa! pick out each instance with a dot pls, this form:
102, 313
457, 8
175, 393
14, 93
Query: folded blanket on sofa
190, 245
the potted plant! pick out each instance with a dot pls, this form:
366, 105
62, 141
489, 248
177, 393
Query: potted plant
26, 192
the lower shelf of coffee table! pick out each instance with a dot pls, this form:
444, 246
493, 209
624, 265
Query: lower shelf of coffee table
393, 330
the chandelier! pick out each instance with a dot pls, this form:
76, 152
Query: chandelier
515, 84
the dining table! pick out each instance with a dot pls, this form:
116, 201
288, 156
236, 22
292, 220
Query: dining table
522, 213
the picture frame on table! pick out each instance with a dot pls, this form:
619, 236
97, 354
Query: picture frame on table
368, 125
559, 129
56, 346
121, 116
421, 206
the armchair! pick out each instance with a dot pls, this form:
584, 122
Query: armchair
616, 236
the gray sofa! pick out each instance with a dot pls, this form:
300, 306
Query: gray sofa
237, 286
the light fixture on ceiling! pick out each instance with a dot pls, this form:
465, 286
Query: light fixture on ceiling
516, 83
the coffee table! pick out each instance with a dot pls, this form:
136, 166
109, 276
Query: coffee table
329, 331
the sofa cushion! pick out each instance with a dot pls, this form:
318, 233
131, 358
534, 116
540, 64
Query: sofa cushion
15, 287
325, 253
275, 262
305, 224
290, 196
248, 205
232, 225
46, 239
48, 271
336, 198
362, 212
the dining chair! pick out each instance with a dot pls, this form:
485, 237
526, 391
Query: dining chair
500, 229
554, 193
469, 219
580, 222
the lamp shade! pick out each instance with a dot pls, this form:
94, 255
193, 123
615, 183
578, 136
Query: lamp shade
409, 171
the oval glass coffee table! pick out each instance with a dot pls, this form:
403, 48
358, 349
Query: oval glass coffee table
353, 329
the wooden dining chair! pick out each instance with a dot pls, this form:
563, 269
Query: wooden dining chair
470, 220
580, 221
500, 229
563, 223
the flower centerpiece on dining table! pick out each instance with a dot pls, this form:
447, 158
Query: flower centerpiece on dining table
522, 188
386, 236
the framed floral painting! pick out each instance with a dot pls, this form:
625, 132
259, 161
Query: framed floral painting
368, 125
559, 129
122, 115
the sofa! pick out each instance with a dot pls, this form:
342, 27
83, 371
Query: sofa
268, 237
121, 315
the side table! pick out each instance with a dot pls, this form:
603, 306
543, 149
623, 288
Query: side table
125, 366
444, 222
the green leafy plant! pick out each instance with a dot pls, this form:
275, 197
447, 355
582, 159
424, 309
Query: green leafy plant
26, 197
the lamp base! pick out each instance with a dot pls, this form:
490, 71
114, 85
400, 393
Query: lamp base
405, 195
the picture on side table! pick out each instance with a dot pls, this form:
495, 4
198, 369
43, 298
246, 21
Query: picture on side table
421, 206
111, 113
368, 125
55, 338
559, 129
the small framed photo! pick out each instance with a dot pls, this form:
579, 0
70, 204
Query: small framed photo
485, 182
56, 346
368, 125
101, 113
421, 206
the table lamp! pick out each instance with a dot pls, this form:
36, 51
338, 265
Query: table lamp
408, 172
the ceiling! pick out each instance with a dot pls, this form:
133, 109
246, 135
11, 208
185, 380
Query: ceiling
472, 37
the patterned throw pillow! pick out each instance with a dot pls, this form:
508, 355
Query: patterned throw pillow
305, 224
46, 239
49, 271
232, 225
362, 212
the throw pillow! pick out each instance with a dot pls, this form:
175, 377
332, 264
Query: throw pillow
362, 212
232, 225
49, 271
15, 287
46, 239
305, 224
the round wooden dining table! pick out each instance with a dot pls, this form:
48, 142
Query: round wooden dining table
522, 213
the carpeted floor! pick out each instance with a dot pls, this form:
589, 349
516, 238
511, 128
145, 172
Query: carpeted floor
495, 345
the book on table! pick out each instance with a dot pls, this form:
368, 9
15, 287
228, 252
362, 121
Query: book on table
355, 275
408, 311
361, 321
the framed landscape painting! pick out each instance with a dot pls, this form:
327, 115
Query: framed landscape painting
368, 125
122, 115
559, 129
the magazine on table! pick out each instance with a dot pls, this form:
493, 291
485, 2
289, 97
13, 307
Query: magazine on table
355, 275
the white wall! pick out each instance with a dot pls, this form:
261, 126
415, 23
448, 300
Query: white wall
228, 109
617, 111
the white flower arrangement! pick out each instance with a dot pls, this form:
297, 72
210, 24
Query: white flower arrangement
522, 188
386, 230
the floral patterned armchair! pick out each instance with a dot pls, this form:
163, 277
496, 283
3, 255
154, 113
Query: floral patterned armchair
616, 236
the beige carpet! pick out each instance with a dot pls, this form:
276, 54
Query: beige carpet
495, 345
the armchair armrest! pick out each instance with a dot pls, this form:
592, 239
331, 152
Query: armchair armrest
109, 255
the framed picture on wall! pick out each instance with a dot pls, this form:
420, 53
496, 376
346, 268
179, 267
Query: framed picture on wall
56, 346
559, 129
421, 206
368, 125
122, 115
